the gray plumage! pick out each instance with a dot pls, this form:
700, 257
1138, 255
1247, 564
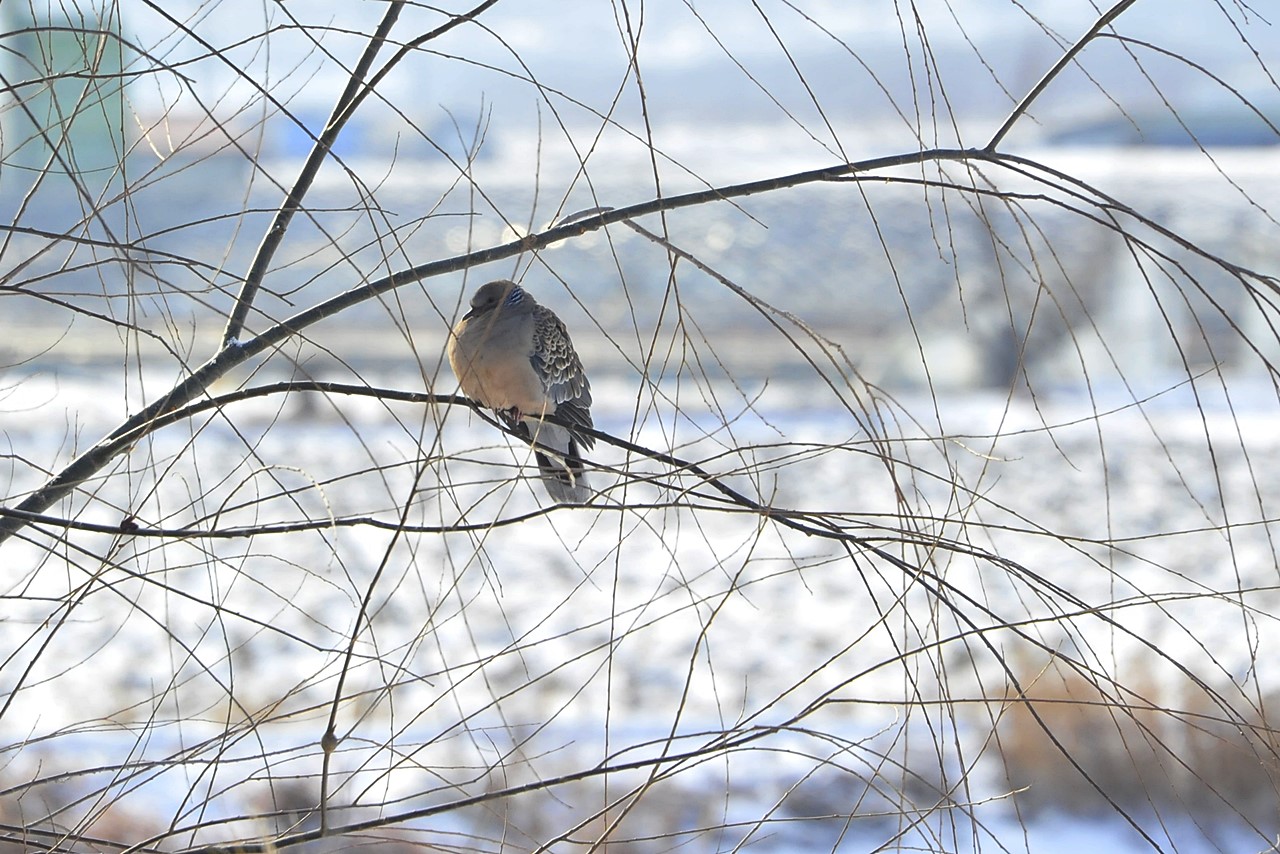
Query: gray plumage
514, 356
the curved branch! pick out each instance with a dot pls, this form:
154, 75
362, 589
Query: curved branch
235, 353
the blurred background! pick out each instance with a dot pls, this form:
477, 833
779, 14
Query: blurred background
535, 114
1022, 410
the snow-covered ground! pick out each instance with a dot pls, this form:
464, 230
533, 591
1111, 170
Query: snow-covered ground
499, 655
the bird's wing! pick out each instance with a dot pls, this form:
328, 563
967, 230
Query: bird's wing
559, 368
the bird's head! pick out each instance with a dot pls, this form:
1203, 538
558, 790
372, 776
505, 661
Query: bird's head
488, 297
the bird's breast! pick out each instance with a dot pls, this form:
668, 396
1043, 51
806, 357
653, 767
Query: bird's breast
491, 360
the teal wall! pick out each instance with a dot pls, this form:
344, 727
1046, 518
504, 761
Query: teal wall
62, 105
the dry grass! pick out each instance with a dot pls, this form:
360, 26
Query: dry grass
83, 825
1153, 752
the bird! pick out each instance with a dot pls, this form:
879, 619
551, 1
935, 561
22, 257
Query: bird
514, 356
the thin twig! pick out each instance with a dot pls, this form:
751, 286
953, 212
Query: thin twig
1063, 61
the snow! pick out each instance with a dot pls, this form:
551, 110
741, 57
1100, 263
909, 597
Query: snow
547, 636
1133, 506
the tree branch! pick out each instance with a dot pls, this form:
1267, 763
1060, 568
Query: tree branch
293, 201
1063, 61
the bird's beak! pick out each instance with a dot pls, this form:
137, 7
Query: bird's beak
477, 310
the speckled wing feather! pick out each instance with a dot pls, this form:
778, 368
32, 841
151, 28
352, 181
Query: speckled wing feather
560, 370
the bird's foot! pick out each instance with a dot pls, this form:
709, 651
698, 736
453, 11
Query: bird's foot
512, 416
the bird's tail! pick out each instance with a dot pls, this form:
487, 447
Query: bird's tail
559, 457
567, 483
